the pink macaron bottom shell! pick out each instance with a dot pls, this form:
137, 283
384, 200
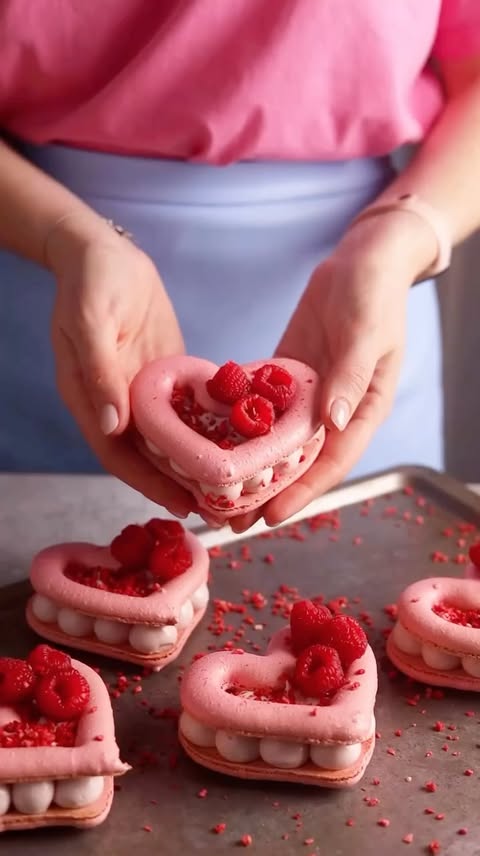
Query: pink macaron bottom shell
414, 666
307, 774
85, 817
154, 660
428, 646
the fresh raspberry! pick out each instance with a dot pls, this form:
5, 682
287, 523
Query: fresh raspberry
228, 384
346, 635
132, 547
169, 560
63, 695
305, 619
318, 672
474, 553
276, 384
44, 659
252, 416
16, 680
164, 530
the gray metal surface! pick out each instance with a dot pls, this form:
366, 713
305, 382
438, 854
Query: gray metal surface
384, 540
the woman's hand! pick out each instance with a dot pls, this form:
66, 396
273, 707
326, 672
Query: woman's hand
350, 327
112, 315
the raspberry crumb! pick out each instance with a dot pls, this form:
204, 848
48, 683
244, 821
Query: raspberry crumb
384, 821
350, 822
434, 847
430, 787
462, 831
147, 828
202, 793
439, 726
468, 773
408, 838
219, 828
309, 841
246, 840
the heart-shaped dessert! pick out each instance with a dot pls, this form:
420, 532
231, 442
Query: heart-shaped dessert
301, 718
137, 600
436, 639
58, 753
233, 436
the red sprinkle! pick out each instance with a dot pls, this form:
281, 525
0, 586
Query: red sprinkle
430, 787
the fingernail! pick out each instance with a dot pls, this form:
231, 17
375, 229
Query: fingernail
108, 418
340, 413
180, 514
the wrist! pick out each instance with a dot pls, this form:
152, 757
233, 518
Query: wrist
72, 234
394, 238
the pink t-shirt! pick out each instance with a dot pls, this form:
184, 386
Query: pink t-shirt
227, 80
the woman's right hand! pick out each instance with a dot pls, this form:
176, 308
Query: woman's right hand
112, 315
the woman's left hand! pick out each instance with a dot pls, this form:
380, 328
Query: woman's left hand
350, 326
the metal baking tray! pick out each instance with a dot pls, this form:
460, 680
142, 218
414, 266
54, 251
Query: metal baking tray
367, 540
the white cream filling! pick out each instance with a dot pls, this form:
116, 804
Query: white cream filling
471, 666
75, 793
32, 797
230, 492
111, 632
336, 757
432, 655
236, 747
281, 753
186, 614
234, 491
141, 637
292, 462
200, 597
37, 797
149, 640
44, 609
196, 732
75, 623
262, 479
284, 754
405, 641
5, 799
437, 659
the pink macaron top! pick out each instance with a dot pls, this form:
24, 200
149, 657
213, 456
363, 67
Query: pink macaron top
161, 607
415, 612
348, 719
91, 756
155, 418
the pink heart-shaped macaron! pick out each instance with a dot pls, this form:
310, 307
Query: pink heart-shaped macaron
437, 635
225, 481
232, 720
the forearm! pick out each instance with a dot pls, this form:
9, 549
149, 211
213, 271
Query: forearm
445, 172
34, 207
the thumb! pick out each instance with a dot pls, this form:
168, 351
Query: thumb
104, 380
347, 382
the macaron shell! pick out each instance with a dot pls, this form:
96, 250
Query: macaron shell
163, 607
347, 719
155, 661
87, 816
204, 461
308, 774
415, 612
415, 667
